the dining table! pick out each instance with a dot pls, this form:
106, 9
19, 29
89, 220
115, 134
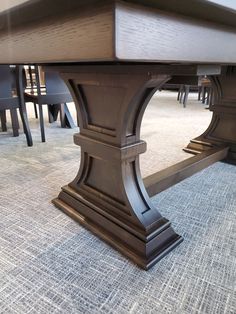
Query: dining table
114, 55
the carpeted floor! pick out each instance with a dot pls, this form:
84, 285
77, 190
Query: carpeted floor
50, 264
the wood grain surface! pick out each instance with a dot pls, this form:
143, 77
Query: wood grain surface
149, 34
21, 11
78, 36
91, 31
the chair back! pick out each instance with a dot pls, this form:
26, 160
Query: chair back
54, 84
7, 81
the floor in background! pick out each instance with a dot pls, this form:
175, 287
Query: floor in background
50, 264
167, 128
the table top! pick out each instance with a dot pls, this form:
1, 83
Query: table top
163, 31
222, 11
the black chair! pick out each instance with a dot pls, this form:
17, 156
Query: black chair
56, 96
12, 98
184, 84
30, 83
183, 93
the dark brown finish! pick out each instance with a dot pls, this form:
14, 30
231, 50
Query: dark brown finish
85, 31
87, 34
150, 35
108, 195
22, 11
165, 178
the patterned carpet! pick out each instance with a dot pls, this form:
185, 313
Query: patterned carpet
50, 264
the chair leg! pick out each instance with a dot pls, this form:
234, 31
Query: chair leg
186, 88
25, 123
41, 123
15, 122
180, 93
22, 106
35, 110
208, 96
3, 119
50, 115
53, 111
26, 127
203, 94
199, 93
68, 118
62, 115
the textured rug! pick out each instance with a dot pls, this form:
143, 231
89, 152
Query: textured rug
50, 264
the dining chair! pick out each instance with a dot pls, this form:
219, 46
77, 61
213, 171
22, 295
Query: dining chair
55, 95
184, 85
12, 98
206, 91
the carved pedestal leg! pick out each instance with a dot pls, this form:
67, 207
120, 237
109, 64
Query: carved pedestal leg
108, 195
222, 129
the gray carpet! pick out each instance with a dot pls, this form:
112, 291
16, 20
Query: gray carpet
50, 264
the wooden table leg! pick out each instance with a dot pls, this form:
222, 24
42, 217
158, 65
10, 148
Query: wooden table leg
222, 129
108, 195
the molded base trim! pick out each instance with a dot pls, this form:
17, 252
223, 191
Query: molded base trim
144, 253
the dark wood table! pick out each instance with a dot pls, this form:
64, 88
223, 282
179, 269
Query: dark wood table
114, 55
